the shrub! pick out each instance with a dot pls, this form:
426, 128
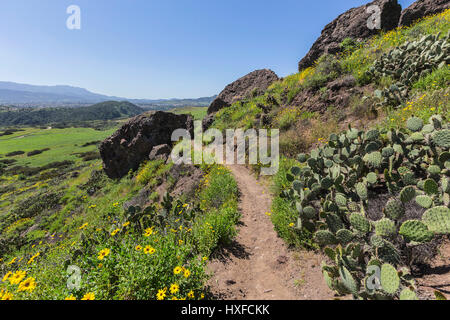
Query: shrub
438, 79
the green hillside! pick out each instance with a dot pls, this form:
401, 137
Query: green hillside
109, 110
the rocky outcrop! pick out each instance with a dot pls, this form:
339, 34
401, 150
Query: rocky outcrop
187, 179
133, 142
422, 8
242, 88
352, 24
161, 152
207, 121
338, 94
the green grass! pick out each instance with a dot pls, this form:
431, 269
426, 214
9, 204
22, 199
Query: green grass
63, 144
83, 223
284, 215
198, 113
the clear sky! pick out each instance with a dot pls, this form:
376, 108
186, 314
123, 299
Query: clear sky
158, 49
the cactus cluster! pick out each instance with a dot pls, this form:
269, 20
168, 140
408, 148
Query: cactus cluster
333, 186
409, 62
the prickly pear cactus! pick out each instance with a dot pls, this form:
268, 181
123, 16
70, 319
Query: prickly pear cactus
336, 184
408, 63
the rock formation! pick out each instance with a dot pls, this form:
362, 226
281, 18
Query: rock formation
422, 8
352, 24
258, 80
134, 141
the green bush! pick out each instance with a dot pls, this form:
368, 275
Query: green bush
438, 79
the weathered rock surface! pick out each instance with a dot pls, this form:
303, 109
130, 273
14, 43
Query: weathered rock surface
161, 152
338, 94
187, 177
208, 120
133, 142
422, 8
240, 89
352, 24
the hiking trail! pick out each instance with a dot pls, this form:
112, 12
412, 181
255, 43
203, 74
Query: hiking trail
258, 264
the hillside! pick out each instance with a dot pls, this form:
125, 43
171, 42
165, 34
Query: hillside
339, 182
109, 110
359, 208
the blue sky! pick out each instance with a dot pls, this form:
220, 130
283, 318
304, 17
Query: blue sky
158, 49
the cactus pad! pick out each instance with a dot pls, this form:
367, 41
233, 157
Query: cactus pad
344, 236
441, 138
373, 159
348, 281
360, 223
390, 280
408, 294
394, 209
416, 231
424, 201
325, 237
407, 194
437, 219
385, 228
361, 190
414, 124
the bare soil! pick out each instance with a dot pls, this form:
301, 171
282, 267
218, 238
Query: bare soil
258, 265
436, 275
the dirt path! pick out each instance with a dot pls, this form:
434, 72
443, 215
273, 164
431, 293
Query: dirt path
258, 265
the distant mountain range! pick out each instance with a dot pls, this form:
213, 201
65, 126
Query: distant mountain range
25, 95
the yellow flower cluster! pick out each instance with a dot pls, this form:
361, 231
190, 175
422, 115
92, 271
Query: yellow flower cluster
103, 253
17, 278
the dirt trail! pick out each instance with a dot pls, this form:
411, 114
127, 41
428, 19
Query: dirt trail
258, 265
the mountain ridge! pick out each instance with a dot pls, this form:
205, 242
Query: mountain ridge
108, 110
28, 95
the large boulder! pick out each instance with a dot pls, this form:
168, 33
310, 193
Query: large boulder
258, 80
422, 8
352, 24
133, 142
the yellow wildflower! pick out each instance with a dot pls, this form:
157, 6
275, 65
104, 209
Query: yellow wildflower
148, 232
161, 294
89, 296
149, 250
7, 296
83, 226
174, 288
7, 276
177, 270
103, 253
27, 285
17, 277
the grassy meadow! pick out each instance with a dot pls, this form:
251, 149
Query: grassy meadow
63, 144
198, 113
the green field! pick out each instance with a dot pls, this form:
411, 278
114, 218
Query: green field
63, 144
197, 112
